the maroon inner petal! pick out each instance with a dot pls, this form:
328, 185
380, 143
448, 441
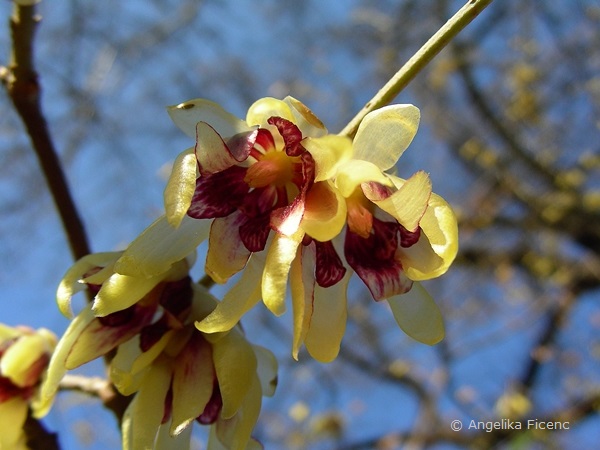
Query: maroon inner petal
212, 408
254, 232
176, 297
151, 334
219, 194
408, 238
329, 268
241, 144
373, 259
291, 134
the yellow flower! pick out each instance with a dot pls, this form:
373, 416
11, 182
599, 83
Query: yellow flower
243, 180
177, 373
398, 231
24, 356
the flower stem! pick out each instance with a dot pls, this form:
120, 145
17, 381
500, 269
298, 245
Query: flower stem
418, 61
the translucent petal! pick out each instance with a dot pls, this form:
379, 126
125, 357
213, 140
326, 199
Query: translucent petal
121, 291
187, 114
180, 187
160, 245
164, 440
239, 299
302, 283
235, 432
305, 119
70, 284
235, 364
266, 370
193, 382
418, 316
214, 155
148, 406
264, 108
385, 133
329, 153
227, 254
280, 255
408, 204
57, 366
328, 322
325, 212
354, 172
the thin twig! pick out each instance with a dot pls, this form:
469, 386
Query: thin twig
21, 82
418, 61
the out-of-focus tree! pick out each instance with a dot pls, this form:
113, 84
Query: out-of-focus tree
509, 135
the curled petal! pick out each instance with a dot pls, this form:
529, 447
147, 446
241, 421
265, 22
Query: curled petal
187, 115
353, 173
302, 282
160, 245
417, 315
121, 291
329, 153
277, 267
235, 365
385, 133
325, 212
180, 187
408, 204
234, 433
57, 366
239, 299
306, 120
328, 321
266, 370
263, 109
432, 257
71, 282
214, 155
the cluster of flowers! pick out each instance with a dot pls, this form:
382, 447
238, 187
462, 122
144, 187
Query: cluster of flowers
283, 202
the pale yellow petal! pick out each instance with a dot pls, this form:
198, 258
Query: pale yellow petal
302, 284
18, 359
354, 172
13, 413
385, 133
305, 119
121, 291
280, 255
325, 212
328, 322
408, 204
193, 382
180, 187
235, 365
148, 406
238, 300
266, 370
234, 433
160, 245
180, 441
329, 153
57, 366
70, 284
417, 315
264, 108
186, 116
